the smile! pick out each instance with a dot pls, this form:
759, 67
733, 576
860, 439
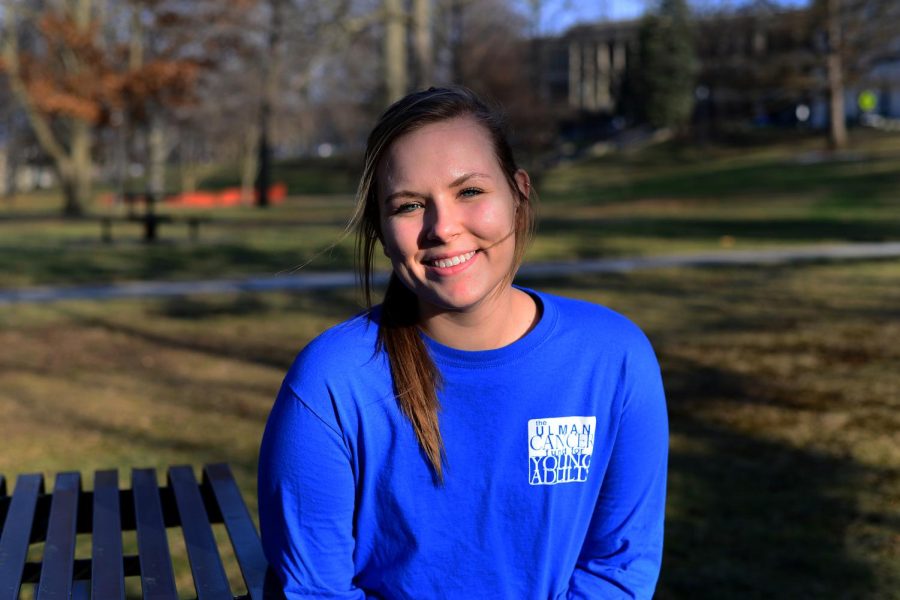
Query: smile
451, 261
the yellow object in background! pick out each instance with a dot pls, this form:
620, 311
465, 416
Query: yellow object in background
867, 101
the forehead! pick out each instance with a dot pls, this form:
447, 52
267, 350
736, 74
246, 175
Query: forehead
446, 149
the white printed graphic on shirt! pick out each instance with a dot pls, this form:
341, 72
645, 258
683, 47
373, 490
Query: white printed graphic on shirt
560, 449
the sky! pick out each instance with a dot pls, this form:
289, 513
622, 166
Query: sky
561, 14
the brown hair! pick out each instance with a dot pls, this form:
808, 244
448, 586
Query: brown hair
415, 376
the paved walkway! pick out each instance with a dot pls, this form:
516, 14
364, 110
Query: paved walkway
332, 280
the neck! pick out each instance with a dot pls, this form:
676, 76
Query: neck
497, 321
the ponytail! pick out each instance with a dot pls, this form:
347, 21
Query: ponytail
416, 377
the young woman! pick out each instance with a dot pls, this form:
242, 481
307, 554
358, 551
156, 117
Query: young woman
467, 438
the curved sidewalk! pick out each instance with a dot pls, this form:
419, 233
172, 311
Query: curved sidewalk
340, 279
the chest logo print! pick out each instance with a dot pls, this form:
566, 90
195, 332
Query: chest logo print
560, 449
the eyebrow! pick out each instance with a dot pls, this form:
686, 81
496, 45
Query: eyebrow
455, 183
402, 194
463, 178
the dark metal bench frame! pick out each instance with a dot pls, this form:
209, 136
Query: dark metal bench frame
31, 516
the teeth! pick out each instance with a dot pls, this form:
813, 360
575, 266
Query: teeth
452, 262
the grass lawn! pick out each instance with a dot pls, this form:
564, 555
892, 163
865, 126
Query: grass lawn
782, 388
782, 381
655, 202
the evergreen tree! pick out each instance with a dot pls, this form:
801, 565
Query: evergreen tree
667, 65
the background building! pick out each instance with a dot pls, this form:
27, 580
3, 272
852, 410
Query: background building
762, 65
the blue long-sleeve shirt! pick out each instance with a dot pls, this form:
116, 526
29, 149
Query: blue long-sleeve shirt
555, 475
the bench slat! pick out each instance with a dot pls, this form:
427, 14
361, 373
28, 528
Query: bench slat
4, 502
17, 533
244, 538
81, 590
206, 566
107, 568
157, 577
59, 548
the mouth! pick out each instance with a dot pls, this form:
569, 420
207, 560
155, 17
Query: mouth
450, 261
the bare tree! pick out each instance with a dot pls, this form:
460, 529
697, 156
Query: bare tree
422, 43
837, 127
271, 71
38, 91
395, 53
757, 61
69, 80
854, 36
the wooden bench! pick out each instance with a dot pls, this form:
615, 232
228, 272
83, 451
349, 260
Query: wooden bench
31, 516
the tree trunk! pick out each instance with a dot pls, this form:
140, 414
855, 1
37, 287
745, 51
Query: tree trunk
271, 75
456, 35
156, 154
81, 166
423, 43
5, 174
394, 50
249, 163
264, 179
837, 129
74, 188
188, 171
73, 163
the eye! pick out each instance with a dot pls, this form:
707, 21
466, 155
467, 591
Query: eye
470, 192
407, 207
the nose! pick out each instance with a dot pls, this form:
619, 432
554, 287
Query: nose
442, 221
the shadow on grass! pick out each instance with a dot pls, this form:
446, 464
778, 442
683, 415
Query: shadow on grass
752, 513
194, 308
806, 229
842, 182
71, 418
751, 517
326, 303
96, 263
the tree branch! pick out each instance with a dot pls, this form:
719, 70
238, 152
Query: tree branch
39, 122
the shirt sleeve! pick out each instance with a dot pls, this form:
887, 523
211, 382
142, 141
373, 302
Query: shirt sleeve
622, 552
306, 502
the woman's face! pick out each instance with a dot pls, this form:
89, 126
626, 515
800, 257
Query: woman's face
448, 215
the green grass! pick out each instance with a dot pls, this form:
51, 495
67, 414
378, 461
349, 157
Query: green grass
659, 201
782, 381
301, 176
782, 387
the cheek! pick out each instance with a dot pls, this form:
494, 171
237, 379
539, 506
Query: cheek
495, 218
400, 237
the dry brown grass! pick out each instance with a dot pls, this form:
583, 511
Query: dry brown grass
782, 385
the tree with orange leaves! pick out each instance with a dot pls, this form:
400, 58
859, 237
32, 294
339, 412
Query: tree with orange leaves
69, 81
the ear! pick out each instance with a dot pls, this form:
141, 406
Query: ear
523, 182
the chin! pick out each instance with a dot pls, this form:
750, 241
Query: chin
453, 301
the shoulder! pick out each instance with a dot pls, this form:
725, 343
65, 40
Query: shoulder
342, 353
594, 324
339, 371
602, 336
349, 340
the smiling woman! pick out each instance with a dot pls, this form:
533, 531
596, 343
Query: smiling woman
448, 223
467, 437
